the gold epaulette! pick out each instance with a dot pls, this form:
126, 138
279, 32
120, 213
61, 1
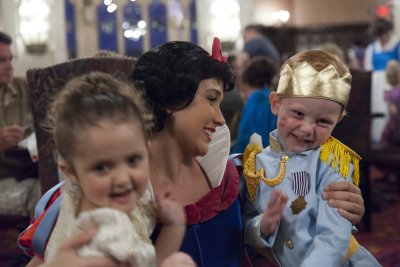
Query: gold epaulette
249, 168
334, 152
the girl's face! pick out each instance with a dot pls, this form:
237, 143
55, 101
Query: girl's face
304, 123
193, 126
111, 165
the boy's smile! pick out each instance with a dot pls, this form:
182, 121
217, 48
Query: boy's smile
304, 123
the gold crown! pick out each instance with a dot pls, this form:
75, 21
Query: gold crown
305, 81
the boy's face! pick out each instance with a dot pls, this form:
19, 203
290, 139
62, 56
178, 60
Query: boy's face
304, 123
111, 165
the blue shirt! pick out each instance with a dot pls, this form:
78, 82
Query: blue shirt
256, 118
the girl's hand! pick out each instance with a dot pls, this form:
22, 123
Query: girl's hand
178, 259
347, 198
169, 211
273, 212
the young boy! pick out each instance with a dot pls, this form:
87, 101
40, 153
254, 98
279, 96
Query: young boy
302, 158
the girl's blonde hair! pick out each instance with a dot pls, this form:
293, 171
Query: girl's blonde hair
393, 73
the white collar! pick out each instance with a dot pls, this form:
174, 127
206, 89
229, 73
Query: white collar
214, 162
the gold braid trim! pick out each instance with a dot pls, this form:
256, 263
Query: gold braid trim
252, 177
249, 167
334, 152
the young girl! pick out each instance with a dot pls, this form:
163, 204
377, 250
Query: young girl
391, 134
99, 128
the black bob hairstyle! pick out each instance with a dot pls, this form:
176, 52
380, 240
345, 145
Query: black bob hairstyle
169, 76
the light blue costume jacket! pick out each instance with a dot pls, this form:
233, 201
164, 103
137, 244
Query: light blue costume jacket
317, 235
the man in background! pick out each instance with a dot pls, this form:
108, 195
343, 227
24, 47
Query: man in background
19, 183
256, 43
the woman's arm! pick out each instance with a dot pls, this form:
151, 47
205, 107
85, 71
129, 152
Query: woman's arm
346, 197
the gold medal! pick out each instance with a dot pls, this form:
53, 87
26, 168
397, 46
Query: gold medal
300, 185
298, 205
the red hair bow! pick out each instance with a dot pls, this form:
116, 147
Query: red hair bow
217, 51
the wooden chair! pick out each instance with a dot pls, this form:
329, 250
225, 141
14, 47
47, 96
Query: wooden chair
354, 131
44, 84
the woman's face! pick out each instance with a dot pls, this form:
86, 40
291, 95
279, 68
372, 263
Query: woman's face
194, 126
384, 38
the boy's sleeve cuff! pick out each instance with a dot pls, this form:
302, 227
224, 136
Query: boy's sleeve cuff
253, 235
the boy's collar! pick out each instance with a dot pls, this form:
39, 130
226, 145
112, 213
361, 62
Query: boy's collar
274, 144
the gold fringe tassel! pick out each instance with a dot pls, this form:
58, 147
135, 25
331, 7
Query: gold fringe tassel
334, 152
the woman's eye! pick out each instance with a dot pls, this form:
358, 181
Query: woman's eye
212, 99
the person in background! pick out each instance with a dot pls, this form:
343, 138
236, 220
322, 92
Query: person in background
356, 55
256, 43
19, 183
303, 158
377, 55
99, 128
391, 132
232, 105
334, 49
258, 80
